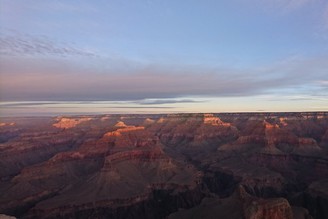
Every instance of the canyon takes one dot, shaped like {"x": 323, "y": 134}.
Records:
{"x": 222, "y": 165}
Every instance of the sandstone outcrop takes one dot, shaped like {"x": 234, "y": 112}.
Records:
{"x": 7, "y": 124}
{"x": 67, "y": 123}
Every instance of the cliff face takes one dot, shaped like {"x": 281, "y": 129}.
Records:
{"x": 269, "y": 209}
{"x": 265, "y": 165}
{"x": 315, "y": 198}
{"x": 239, "y": 205}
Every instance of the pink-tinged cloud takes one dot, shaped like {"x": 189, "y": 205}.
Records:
{"x": 23, "y": 79}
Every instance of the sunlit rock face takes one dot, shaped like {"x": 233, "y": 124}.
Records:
{"x": 7, "y": 124}
{"x": 127, "y": 129}
{"x": 231, "y": 165}
{"x": 120, "y": 124}
{"x": 210, "y": 119}
{"x": 67, "y": 123}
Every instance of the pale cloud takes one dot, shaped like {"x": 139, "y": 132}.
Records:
{"x": 323, "y": 82}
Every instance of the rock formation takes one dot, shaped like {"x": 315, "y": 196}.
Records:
{"x": 231, "y": 165}
{"x": 239, "y": 205}
{"x": 67, "y": 123}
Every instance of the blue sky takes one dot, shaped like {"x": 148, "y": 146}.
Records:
{"x": 180, "y": 56}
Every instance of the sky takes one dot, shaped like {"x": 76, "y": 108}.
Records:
{"x": 162, "y": 56}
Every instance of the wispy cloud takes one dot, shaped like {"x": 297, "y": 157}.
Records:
{"x": 52, "y": 108}
{"x": 48, "y": 6}
{"x": 285, "y": 5}
{"x": 26, "y": 45}
{"x": 26, "y": 104}
{"x": 165, "y": 101}
{"x": 323, "y": 83}
{"x": 294, "y": 4}
{"x": 64, "y": 6}
{"x": 325, "y": 18}
{"x": 95, "y": 104}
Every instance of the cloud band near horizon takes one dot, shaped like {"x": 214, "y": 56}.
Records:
{"x": 25, "y": 80}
